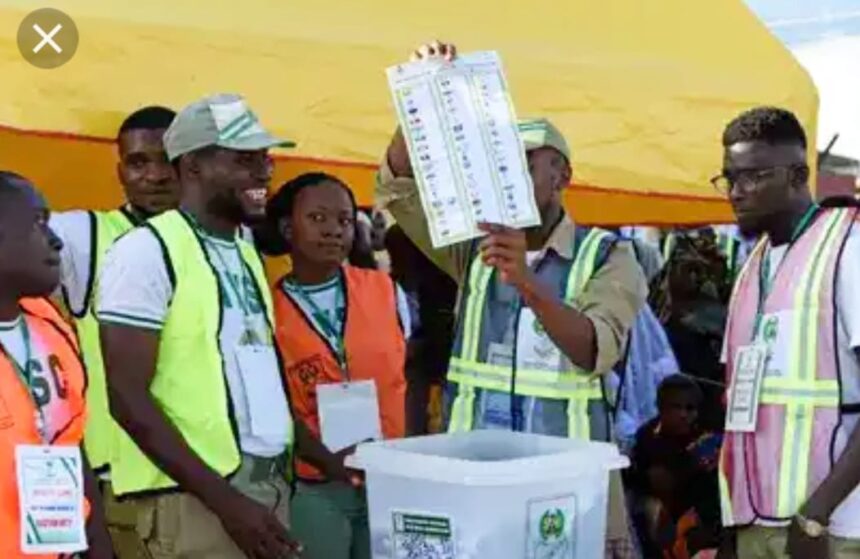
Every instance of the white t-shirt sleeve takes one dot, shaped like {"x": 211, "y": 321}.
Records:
{"x": 847, "y": 292}
{"x": 403, "y": 312}
{"x": 134, "y": 288}
{"x": 75, "y": 229}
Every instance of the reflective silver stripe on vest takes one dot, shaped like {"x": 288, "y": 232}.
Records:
{"x": 470, "y": 374}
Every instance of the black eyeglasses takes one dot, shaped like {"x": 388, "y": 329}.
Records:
{"x": 746, "y": 178}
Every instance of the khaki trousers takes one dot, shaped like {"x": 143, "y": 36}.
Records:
{"x": 761, "y": 542}
{"x": 178, "y": 526}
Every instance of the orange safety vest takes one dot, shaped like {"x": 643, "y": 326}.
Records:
{"x": 375, "y": 350}
{"x": 18, "y": 411}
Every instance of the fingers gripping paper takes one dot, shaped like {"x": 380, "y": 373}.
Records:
{"x": 466, "y": 152}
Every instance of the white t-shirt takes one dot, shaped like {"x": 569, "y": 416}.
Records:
{"x": 45, "y": 389}
{"x": 75, "y": 229}
{"x": 135, "y": 290}
{"x": 328, "y": 299}
{"x": 845, "y": 521}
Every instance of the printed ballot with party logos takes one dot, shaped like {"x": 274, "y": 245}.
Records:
{"x": 467, "y": 156}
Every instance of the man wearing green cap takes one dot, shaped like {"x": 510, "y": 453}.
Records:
{"x": 543, "y": 313}
{"x": 187, "y": 336}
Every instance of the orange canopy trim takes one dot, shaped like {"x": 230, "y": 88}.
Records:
{"x": 588, "y": 204}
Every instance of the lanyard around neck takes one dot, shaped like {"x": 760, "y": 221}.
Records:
{"x": 765, "y": 280}
{"x": 336, "y": 335}
{"x": 236, "y": 285}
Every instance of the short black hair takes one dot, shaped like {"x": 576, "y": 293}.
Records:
{"x": 267, "y": 235}
{"x": 9, "y": 178}
{"x": 675, "y": 384}
{"x": 11, "y": 184}
{"x": 153, "y": 117}
{"x": 772, "y": 125}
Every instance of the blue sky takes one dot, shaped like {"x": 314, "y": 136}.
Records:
{"x": 804, "y": 21}
{"x": 824, "y": 36}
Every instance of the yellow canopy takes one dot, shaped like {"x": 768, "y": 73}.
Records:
{"x": 641, "y": 89}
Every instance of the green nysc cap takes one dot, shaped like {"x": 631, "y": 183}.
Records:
{"x": 540, "y": 132}
{"x": 222, "y": 120}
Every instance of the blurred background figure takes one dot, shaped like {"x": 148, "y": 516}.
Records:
{"x": 432, "y": 295}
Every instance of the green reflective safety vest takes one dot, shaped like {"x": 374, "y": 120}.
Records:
{"x": 557, "y": 397}
{"x": 101, "y": 430}
{"x": 189, "y": 384}
{"x": 668, "y": 247}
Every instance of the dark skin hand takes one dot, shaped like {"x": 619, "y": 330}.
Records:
{"x": 842, "y": 480}
{"x": 98, "y": 538}
{"x": 130, "y": 359}
{"x": 313, "y": 451}
{"x": 505, "y": 249}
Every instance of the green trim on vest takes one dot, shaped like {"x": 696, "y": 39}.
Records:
{"x": 101, "y": 428}
{"x": 189, "y": 384}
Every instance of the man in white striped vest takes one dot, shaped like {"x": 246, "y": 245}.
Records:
{"x": 790, "y": 462}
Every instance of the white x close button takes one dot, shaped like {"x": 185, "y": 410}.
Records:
{"x": 47, "y": 38}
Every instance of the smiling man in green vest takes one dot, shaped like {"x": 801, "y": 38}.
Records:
{"x": 187, "y": 334}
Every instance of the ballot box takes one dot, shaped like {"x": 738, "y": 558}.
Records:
{"x": 487, "y": 494}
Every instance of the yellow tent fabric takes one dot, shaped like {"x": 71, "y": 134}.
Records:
{"x": 641, "y": 89}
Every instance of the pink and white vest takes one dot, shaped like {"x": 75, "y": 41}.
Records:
{"x": 770, "y": 473}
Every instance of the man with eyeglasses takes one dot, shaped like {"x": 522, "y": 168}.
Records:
{"x": 790, "y": 462}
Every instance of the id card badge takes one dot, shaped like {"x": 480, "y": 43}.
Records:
{"x": 745, "y": 391}
{"x": 51, "y": 495}
{"x": 349, "y": 413}
{"x": 264, "y": 390}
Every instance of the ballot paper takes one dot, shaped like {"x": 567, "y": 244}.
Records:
{"x": 466, "y": 151}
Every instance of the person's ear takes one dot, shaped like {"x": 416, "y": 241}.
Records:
{"x": 285, "y": 228}
{"x": 119, "y": 174}
{"x": 565, "y": 176}
{"x": 800, "y": 175}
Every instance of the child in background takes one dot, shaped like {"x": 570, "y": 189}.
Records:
{"x": 674, "y": 476}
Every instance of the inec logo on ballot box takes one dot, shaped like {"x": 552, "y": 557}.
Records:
{"x": 552, "y": 525}
{"x": 47, "y": 38}
{"x": 552, "y": 528}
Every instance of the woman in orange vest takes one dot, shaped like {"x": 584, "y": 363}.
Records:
{"x": 43, "y": 512}
{"x": 341, "y": 332}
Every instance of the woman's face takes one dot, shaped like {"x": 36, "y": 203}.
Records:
{"x": 322, "y": 228}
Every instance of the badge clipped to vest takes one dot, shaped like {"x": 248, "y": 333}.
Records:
{"x": 264, "y": 390}
{"x": 51, "y": 495}
{"x": 745, "y": 391}
{"x": 349, "y": 413}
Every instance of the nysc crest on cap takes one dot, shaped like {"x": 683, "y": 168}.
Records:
{"x": 222, "y": 120}
{"x": 540, "y": 132}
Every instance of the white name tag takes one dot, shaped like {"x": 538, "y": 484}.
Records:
{"x": 51, "y": 494}
{"x": 745, "y": 391}
{"x": 264, "y": 392}
{"x": 349, "y": 413}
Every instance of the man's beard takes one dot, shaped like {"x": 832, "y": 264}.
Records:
{"x": 227, "y": 206}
